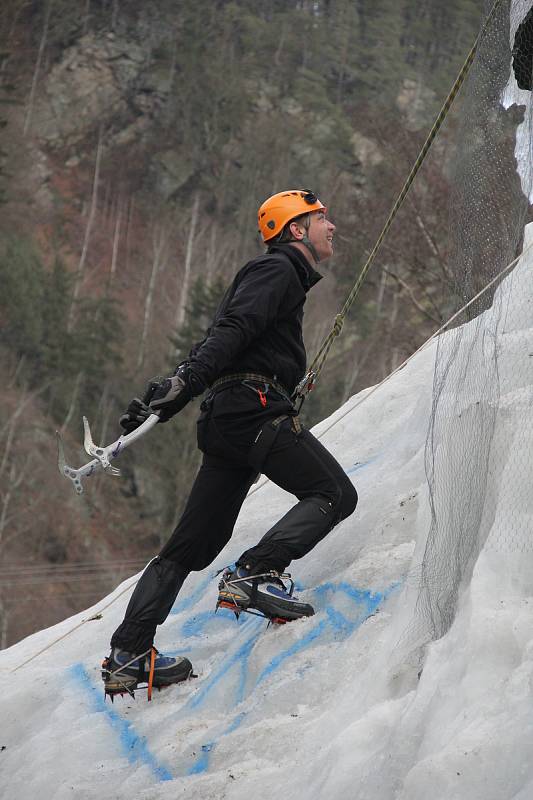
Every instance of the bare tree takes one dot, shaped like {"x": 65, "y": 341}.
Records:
{"x": 73, "y": 401}
{"x": 11, "y": 473}
{"x": 10, "y": 428}
{"x": 159, "y": 246}
{"x": 88, "y": 230}
{"x": 37, "y": 69}
{"x": 86, "y": 16}
{"x": 211, "y": 258}
{"x": 115, "y": 8}
{"x": 186, "y": 279}
{"x": 20, "y": 364}
{"x": 103, "y": 413}
{"x": 412, "y": 296}
{"x": 116, "y": 240}
{"x": 129, "y": 227}
{"x": 12, "y": 483}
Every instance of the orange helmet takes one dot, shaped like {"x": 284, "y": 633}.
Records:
{"x": 284, "y": 206}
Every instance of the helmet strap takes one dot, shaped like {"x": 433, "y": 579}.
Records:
{"x": 310, "y": 247}
{"x": 307, "y": 242}
{"x": 305, "y": 238}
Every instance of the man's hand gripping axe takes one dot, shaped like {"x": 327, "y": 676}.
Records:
{"x": 102, "y": 455}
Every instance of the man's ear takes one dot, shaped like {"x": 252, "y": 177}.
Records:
{"x": 297, "y": 230}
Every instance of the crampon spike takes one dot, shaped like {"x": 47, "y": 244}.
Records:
{"x": 231, "y": 606}
{"x": 112, "y": 693}
{"x": 238, "y": 611}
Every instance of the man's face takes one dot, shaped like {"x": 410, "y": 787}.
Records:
{"x": 320, "y": 233}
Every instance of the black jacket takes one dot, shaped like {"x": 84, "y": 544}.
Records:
{"x": 258, "y": 324}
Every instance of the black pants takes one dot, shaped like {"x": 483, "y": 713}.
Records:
{"x": 296, "y": 462}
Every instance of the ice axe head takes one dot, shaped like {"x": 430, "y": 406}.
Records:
{"x": 64, "y": 468}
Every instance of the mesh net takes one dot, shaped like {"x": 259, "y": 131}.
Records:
{"x": 479, "y": 484}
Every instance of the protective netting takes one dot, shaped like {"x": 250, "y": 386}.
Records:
{"x": 523, "y": 52}
{"x": 478, "y": 450}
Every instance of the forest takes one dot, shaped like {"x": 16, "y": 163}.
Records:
{"x": 137, "y": 141}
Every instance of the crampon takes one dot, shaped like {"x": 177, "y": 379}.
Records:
{"x": 263, "y": 595}
{"x": 125, "y": 677}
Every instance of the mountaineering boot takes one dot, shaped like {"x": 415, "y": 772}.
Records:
{"x": 240, "y": 590}
{"x": 123, "y": 671}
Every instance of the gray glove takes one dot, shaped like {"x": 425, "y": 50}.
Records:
{"x": 171, "y": 395}
{"x": 164, "y": 397}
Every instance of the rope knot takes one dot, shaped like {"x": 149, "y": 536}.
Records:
{"x": 337, "y": 324}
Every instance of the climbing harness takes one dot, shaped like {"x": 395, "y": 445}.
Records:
{"x": 264, "y": 441}
{"x": 267, "y": 434}
{"x": 249, "y": 379}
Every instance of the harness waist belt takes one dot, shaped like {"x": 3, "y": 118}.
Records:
{"x": 239, "y": 377}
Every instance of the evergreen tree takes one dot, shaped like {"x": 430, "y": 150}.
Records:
{"x": 203, "y": 300}
{"x": 34, "y": 309}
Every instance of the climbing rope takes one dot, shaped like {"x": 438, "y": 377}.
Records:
{"x": 309, "y": 381}
{"x": 447, "y": 324}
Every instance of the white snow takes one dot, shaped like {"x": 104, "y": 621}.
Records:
{"x": 331, "y": 706}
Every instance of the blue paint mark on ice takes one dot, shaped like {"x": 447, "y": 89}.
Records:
{"x": 203, "y": 761}
{"x": 133, "y": 745}
{"x": 190, "y": 600}
{"x": 361, "y": 465}
{"x": 241, "y": 654}
{"x": 194, "y": 626}
{"x": 332, "y": 622}
{"x": 301, "y": 644}
{"x": 365, "y": 599}
{"x": 366, "y": 603}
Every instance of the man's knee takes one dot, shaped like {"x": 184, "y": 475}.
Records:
{"x": 347, "y": 500}
{"x": 342, "y": 499}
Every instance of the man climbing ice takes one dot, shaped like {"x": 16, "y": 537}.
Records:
{"x": 250, "y": 361}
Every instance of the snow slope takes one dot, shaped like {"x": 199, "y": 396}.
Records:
{"x": 331, "y": 706}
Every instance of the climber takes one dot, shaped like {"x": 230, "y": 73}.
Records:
{"x": 247, "y": 365}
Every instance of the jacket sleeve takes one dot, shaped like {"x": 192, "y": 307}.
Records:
{"x": 254, "y": 306}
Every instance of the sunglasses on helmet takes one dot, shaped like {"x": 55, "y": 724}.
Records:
{"x": 309, "y": 197}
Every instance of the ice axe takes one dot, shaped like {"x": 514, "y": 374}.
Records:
{"x": 102, "y": 456}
